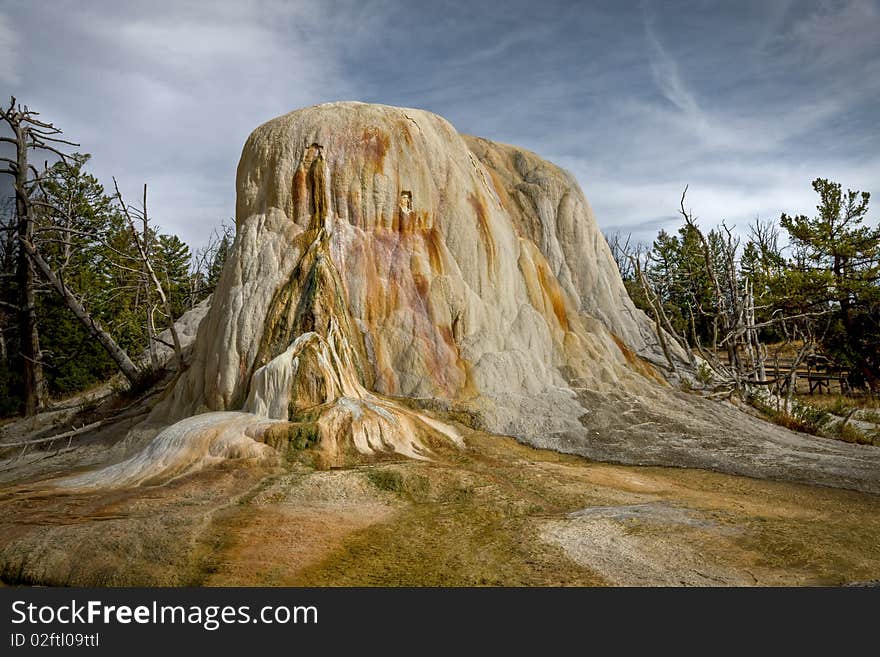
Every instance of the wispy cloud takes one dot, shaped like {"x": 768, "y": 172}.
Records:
{"x": 667, "y": 75}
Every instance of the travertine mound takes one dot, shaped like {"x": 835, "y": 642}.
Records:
{"x": 463, "y": 271}
{"x": 380, "y": 255}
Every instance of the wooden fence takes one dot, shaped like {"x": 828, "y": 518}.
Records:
{"x": 817, "y": 374}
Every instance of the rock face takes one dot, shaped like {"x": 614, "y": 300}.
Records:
{"x": 440, "y": 266}
{"x": 380, "y": 255}
{"x": 386, "y": 268}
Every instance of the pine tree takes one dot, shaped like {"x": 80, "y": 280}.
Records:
{"x": 172, "y": 258}
{"x": 73, "y": 215}
{"x": 836, "y": 266}
{"x": 218, "y": 261}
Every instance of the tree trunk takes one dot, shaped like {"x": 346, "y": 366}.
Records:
{"x": 151, "y": 335}
{"x": 145, "y": 259}
{"x": 29, "y": 338}
{"x": 151, "y": 325}
{"x": 126, "y": 366}
{"x": 756, "y": 350}
{"x": 803, "y": 352}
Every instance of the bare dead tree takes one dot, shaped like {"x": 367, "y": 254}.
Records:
{"x": 148, "y": 295}
{"x": 621, "y": 250}
{"x": 632, "y": 262}
{"x": 59, "y": 226}
{"x": 204, "y": 261}
{"x": 662, "y": 325}
{"x": 731, "y": 312}
{"x": 28, "y": 134}
{"x": 142, "y": 242}
{"x": 119, "y": 356}
{"x": 721, "y": 310}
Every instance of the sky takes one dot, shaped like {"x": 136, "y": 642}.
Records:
{"x": 746, "y": 102}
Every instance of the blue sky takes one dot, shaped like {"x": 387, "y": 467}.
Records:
{"x": 746, "y": 102}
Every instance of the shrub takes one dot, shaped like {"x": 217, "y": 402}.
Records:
{"x": 802, "y": 417}
{"x": 850, "y": 433}
{"x": 840, "y": 406}
{"x": 761, "y": 402}
{"x": 810, "y": 415}
{"x": 704, "y": 374}
{"x": 790, "y": 421}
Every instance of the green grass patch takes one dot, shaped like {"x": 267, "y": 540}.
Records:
{"x": 413, "y": 486}
{"x": 850, "y": 433}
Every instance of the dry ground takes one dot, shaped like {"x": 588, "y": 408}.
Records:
{"x": 498, "y": 513}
